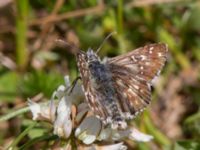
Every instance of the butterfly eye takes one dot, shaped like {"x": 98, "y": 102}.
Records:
{"x": 93, "y": 64}
{"x": 90, "y": 65}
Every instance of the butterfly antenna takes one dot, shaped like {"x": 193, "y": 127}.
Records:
{"x": 66, "y": 44}
{"x": 107, "y": 37}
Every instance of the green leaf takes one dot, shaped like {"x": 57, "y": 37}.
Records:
{"x": 192, "y": 124}
{"x": 36, "y": 132}
{"x": 187, "y": 145}
{"x": 194, "y": 21}
{"x": 40, "y": 82}
{"x": 8, "y": 86}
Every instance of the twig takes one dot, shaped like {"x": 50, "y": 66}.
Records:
{"x": 142, "y": 3}
{"x": 39, "y": 43}
{"x": 77, "y": 13}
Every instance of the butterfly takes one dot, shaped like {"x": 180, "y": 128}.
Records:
{"x": 118, "y": 88}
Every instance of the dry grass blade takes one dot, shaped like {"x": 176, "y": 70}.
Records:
{"x": 142, "y": 3}
{"x": 77, "y": 13}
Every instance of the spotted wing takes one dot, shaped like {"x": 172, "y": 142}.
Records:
{"x": 132, "y": 74}
{"x": 92, "y": 96}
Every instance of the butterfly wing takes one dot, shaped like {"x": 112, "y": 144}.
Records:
{"x": 92, "y": 96}
{"x": 132, "y": 74}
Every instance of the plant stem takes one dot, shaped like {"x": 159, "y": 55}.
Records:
{"x": 13, "y": 114}
{"x": 161, "y": 138}
{"x": 120, "y": 17}
{"x": 16, "y": 141}
{"x": 21, "y": 33}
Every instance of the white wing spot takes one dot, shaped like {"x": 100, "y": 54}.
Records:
{"x": 147, "y": 63}
{"x": 141, "y": 67}
{"x": 82, "y": 64}
{"x": 143, "y": 57}
{"x": 131, "y": 91}
{"x": 151, "y": 48}
{"x": 133, "y": 58}
{"x": 124, "y": 94}
{"x": 159, "y": 54}
{"x": 119, "y": 82}
{"x": 136, "y": 87}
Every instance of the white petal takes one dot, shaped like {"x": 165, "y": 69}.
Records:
{"x": 67, "y": 81}
{"x": 35, "y": 109}
{"x": 63, "y": 130}
{"x": 89, "y": 139}
{"x": 67, "y": 128}
{"x": 60, "y": 92}
{"x": 64, "y": 106}
{"x": 139, "y": 136}
{"x": 43, "y": 111}
{"x": 81, "y": 111}
{"x": 81, "y": 115}
{"x": 119, "y": 134}
{"x": 88, "y": 130}
{"x": 118, "y": 146}
{"x": 77, "y": 94}
{"x": 52, "y": 110}
{"x": 105, "y": 134}
{"x": 63, "y": 123}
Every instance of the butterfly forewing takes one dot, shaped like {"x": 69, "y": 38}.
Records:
{"x": 132, "y": 74}
{"x": 145, "y": 62}
{"x": 92, "y": 96}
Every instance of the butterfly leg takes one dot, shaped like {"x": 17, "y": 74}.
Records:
{"x": 70, "y": 89}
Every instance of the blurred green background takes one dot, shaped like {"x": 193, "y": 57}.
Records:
{"x": 32, "y": 64}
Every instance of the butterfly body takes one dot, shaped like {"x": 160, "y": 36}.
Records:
{"x": 120, "y": 88}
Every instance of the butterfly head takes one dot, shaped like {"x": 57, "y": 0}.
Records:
{"x": 91, "y": 56}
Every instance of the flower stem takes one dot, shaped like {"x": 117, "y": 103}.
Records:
{"x": 13, "y": 114}
{"x": 120, "y": 16}
{"x": 21, "y": 33}
{"x": 161, "y": 138}
{"x": 18, "y": 139}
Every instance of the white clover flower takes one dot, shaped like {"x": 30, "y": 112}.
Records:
{"x": 87, "y": 127}
{"x": 43, "y": 111}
